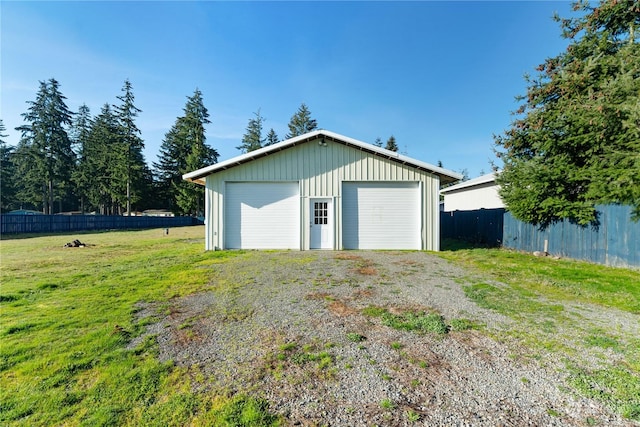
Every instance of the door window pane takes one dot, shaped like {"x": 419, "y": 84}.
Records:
{"x": 320, "y": 212}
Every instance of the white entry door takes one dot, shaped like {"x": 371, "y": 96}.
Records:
{"x": 321, "y": 216}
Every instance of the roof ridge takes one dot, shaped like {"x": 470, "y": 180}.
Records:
{"x": 197, "y": 175}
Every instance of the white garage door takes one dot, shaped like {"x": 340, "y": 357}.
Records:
{"x": 262, "y": 215}
{"x": 381, "y": 215}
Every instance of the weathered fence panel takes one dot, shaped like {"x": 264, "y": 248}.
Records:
{"x": 615, "y": 241}
{"x": 19, "y": 224}
{"x": 482, "y": 226}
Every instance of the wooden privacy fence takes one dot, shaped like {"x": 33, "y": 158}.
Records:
{"x": 615, "y": 241}
{"x": 483, "y": 226}
{"x": 18, "y": 224}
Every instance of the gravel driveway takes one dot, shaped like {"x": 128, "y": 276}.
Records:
{"x": 293, "y": 328}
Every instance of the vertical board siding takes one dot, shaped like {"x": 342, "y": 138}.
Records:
{"x": 213, "y": 223}
{"x": 321, "y": 171}
{"x": 433, "y": 212}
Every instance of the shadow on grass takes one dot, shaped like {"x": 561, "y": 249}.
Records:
{"x": 63, "y": 233}
{"x": 459, "y": 245}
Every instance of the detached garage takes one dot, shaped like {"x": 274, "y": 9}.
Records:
{"x": 322, "y": 190}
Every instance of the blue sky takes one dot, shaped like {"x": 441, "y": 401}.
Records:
{"x": 440, "y": 76}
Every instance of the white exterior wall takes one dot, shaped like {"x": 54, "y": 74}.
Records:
{"x": 471, "y": 198}
{"x": 320, "y": 171}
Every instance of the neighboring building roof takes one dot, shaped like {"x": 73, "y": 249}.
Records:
{"x": 481, "y": 180}
{"x": 24, "y": 212}
{"x": 133, "y": 213}
{"x": 199, "y": 175}
{"x": 70, "y": 213}
{"x": 157, "y": 212}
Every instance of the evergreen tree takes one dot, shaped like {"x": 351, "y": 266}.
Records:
{"x": 190, "y": 196}
{"x": 80, "y": 128}
{"x": 378, "y": 142}
{"x": 391, "y": 144}
{"x": 150, "y": 195}
{"x": 183, "y": 150}
{"x": 272, "y": 137}
{"x": 79, "y": 134}
{"x": 301, "y": 122}
{"x": 166, "y": 169}
{"x": 252, "y": 139}
{"x": 101, "y": 164}
{"x": 45, "y": 155}
{"x": 576, "y": 139}
{"x": 130, "y": 148}
{"x": 7, "y": 174}
{"x": 32, "y": 191}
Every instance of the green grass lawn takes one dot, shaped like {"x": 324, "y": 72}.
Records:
{"x": 67, "y": 314}
{"x": 539, "y": 293}
{"x": 563, "y": 279}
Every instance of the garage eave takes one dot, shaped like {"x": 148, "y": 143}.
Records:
{"x": 198, "y": 176}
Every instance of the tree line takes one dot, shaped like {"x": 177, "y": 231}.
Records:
{"x": 73, "y": 161}
{"x": 300, "y": 123}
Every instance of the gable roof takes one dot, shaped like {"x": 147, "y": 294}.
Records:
{"x": 198, "y": 176}
{"x": 483, "y": 179}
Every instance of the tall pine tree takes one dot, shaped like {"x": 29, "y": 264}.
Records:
{"x": 166, "y": 169}
{"x": 7, "y": 174}
{"x": 101, "y": 164}
{"x": 301, "y": 122}
{"x": 252, "y": 139}
{"x": 45, "y": 157}
{"x": 575, "y": 141}
{"x": 272, "y": 138}
{"x": 391, "y": 144}
{"x": 79, "y": 134}
{"x": 184, "y": 149}
{"x": 130, "y": 148}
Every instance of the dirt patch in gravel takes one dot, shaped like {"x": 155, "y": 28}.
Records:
{"x": 296, "y": 329}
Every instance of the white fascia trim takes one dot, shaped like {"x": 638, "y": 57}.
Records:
{"x": 198, "y": 176}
